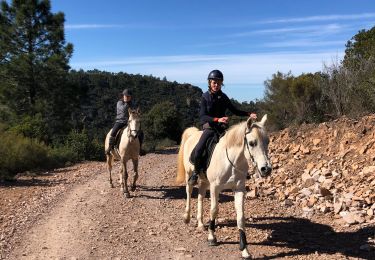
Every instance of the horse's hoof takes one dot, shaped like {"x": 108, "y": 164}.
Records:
{"x": 201, "y": 228}
{"x": 213, "y": 242}
{"x": 186, "y": 218}
{"x": 126, "y": 195}
{"x": 133, "y": 188}
{"x": 247, "y": 257}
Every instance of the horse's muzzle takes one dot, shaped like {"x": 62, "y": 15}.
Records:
{"x": 265, "y": 171}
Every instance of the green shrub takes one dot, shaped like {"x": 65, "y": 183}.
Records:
{"x": 78, "y": 144}
{"x": 19, "y": 154}
{"x": 95, "y": 150}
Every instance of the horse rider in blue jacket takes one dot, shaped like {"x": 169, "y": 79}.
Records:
{"x": 213, "y": 106}
{"x": 122, "y": 117}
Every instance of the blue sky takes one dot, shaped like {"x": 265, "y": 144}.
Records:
{"x": 184, "y": 40}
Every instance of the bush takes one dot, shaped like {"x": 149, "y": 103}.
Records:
{"x": 19, "y": 154}
{"x": 78, "y": 144}
{"x": 96, "y": 150}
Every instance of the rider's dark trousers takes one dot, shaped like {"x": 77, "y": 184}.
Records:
{"x": 117, "y": 127}
{"x": 207, "y": 133}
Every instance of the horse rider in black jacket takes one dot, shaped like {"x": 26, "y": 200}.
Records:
{"x": 214, "y": 104}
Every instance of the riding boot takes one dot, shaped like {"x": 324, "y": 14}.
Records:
{"x": 112, "y": 141}
{"x": 193, "y": 180}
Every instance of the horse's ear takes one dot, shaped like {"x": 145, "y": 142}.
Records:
{"x": 251, "y": 122}
{"x": 138, "y": 110}
{"x": 264, "y": 119}
{"x": 129, "y": 110}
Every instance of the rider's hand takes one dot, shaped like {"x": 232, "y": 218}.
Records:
{"x": 253, "y": 116}
{"x": 223, "y": 120}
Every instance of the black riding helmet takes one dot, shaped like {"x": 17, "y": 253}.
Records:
{"x": 216, "y": 74}
{"x": 127, "y": 92}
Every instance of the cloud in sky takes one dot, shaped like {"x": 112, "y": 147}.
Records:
{"x": 319, "y": 18}
{"x": 237, "y": 68}
{"x": 305, "y": 30}
{"x": 92, "y": 26}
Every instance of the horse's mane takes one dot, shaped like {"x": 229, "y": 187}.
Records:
{"x": 235, "y": 133}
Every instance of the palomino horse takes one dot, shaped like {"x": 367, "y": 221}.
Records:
{"x": 243, "y": 143}
{"x": 128, "y": 150}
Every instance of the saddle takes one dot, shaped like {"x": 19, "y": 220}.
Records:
{"x": 118, "y": 137}
{"x": 207, "y": 152}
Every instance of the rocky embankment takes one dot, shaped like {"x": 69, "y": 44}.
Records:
{"x": 327, "y": 168}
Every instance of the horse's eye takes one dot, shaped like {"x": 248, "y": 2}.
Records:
{"x": 252, "y": 143}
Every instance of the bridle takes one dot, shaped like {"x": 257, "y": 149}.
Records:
{"x": 130, "y": 131}
{"x": 248, "y": 150}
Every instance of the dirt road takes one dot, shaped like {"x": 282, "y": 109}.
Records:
{"x": 74, "y": 214}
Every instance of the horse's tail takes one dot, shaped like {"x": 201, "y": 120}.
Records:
{"x": 180, "y": 159}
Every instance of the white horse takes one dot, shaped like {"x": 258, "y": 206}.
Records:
{"x": 243, "y": 143}
{"x": 128, "y": 150}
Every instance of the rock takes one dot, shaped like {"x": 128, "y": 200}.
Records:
{"x": 327, "y": 183}
{"x": 368, "y": 169}
{"x": 325, "y": 192}
{"x": 305, "y": 176}
{"x": 337, "y": 206}
{"x": 295, "y": 149}
{"x": 309, "y": 166}
{"x": 348, "y": 217}
{"x": 316, "y": 141}
{"x": 252, "y": 194}
{"x": 305, "y": 192}
{"x": 288, "y": 203}
{"x": 312, "y": 201}
{"x": 309, "y": 182}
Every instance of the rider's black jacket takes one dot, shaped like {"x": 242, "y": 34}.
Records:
{"x": 214, "y": 105}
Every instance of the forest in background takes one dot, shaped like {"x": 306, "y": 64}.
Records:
{"x": 51, "y": 116}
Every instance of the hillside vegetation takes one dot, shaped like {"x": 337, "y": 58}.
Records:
{"x": 63, "y": 114}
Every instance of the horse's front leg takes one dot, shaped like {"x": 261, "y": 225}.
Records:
{"x": 214, "y": 192}
{"x": 109, "y": 168}
{"x": 135, "y": 168}
{"x": 124, "y": 180}
{"x": 239, "y": 205}
{"x": 189, "y": 190}
{"x": 203, "y": 185}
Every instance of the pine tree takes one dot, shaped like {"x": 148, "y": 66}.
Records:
{"x": 33, "y": 58}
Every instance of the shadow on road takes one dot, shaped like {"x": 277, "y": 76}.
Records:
{"x": 33, "y": 182}
{"x": 307, "y": 237}
{"x": 179, "y": 192}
